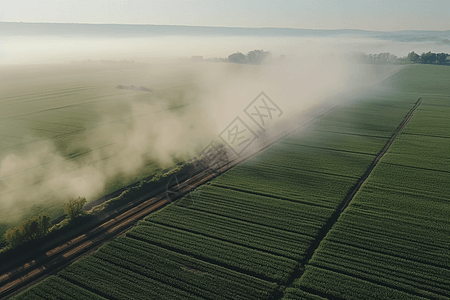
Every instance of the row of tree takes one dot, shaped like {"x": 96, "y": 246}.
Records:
{"x": 381, "y": 58}
{"x": 412, "y": 57}
{"x": 38, "y": 227}
{"x": 428, "y": 58}
{"x": 254, "y": 57}
{"x": 30, "y": 229}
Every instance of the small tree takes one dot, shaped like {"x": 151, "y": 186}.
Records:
{"x": 441, "y": 57}
{"x": 414, "y": 57}
{"x": 44, "y": 225}
{"x": 74, "y": 207}
{"x": 238, "y": 58}
{"x": 30, "y": 229}
{"x": 14, "y": 236}
{"x": 428, "y": 58}
{"x": 257, "y": 56}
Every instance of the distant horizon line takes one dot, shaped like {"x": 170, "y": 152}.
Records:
{"x": 230, "y": 27}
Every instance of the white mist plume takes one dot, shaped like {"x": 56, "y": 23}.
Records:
{"x": 40, "y": 173}
{"x": 161, "y": 135}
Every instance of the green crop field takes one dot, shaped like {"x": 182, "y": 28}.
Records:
{"x": 392, "y": 242}
{"x": 58, "y": 119}
{"x": 250, "y": 233}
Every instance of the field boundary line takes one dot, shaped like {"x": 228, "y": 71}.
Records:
{"x": 356, "y": 134}
{"x": 308, "y": 171}
{"x": 351, "y": 194}
{"x": 269, "y": 196}
{"x": 329, "y": 149}
{"x": 358, "y": 185}
{"x": 428, "y": 135}
{"x": 229, "y": 218}
{"x": 254, "y": 223}
{"x": 87, "y": 288}
{"x": 415, "y": 167}
{"x": 226, "y": 240}
{"x": 209, "y": 260}
{"x": 420, "y": 193}
{"x": 13, "y": 288}
{"x": 380, "y": 283}
{"x": 435, "y": 265}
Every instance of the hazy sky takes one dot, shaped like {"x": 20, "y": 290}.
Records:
{"x": 385, "y": 15}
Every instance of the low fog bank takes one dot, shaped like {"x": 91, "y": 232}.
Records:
{"x": 157, "y": 132}
{"x": 51, "y": 49}
{"x": 41, "y": 173}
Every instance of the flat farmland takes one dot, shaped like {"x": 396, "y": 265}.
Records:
{"x": 255, "y": 231}
{"x": 56, "y": 125}
{"x": 66, "y": 126}
{"x": 63, "y": 107}
{"x": 392, "y": 242}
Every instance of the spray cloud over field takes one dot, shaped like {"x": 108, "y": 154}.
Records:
{"x": 162, "y": 129}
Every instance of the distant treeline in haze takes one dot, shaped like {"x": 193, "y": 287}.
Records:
{"x": 257, "y": 57}
{"x": 412, "y": 57}
{"x": 254, "y": 57}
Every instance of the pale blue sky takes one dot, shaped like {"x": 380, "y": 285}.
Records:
{"x": 384, "y": 15}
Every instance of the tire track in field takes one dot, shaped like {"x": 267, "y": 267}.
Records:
{"x": 356, "y": 188}
{"x": 334, "y": 218}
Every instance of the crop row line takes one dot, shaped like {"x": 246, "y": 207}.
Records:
{"x": 333, "y": 219}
